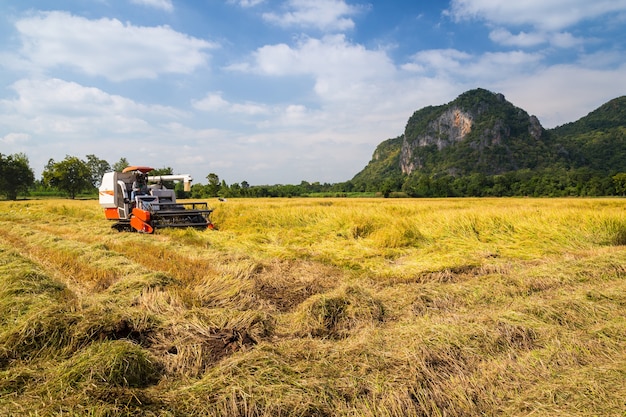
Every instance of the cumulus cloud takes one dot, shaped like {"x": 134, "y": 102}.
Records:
{"x": 522, "y": 39}
{"x": 54, "y": 105}
{"x": 246, "y": 3}
{"x": 461, "y": 68}
{"x": 213, "y": 102}
{"x": 158, "y": 4}
{"x": 49, "y": 118}
{"x": 327, "y": 15}
{"x": 551, "y": 15}
{"x": 14, "y": 138}
{"x": 546, "y": 19}
{"x": 340, "y": 69}
{"x": 565, "y": 40}
{"x": 602, "y": 60}
{"x": 107, "y": 47}
{"x": 530, "y": 39}
{"x": 563, "y": 93}
{"x": 436, "y": 61}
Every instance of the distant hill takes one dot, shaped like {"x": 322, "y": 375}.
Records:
{"x": 481, "y": 144}
{"x": 598, "y": 140}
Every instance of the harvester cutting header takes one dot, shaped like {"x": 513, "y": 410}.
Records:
{"x": 142, "y": 203}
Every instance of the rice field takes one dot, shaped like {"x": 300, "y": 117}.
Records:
{"x": 317, "y": 307}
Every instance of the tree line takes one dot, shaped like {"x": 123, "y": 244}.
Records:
{"x": 548, "y": 182}
{"x": 74, "y": 176}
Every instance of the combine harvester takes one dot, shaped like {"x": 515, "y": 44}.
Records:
{"x": 141, "y": 203}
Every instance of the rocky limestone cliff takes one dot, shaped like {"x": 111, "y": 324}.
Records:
{"x": 451, "y": 127}
{"x": 483, "y": 119}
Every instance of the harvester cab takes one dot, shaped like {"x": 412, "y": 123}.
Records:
{"x": 142, "y": 203}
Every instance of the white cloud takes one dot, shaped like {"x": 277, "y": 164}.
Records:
{"x": 62, "y": 117}
{"x": 565, "y": 40}
{"x": 553, "y": 15}
{"x": 213, "y": 102}
{"x": 462, "y": 69}
{"x": 502, "y": 65}
{"x": 522, "y": 39}
{"x": 437, "y": 60}
{"x": 530, "y": 39}
{"x": 327, "y": 15}
{"x": 602, "y": 60}
{"x": 158, "y": 4}
{"x": 250, "y": 108}
{"x": 246, "y": 3}
{"x": 556, "y": 94}
{"x": 563, "y": 93}
{"x": 14, "y": 138}
{"x": 58, "y": 98}
{"x": 341, "y": 70}
{"x": 55, "y": 118}
{"x": 107, "y": 47}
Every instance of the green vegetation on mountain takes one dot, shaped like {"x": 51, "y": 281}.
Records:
{"x": 605, "y": 117}
{"x": 482, "y": 145}
{"x": 598, "y": 140}
{"x": 383, "y": 167}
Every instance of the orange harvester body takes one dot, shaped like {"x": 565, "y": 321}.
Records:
{"x": 141, "y": 203}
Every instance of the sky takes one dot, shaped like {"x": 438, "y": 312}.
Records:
{"x": 284, "y": 91}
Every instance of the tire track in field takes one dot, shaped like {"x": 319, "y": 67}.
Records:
{"x": 152, "y": 255}
{"x": 83, "y": 268}
{"x": 155, "y": 253}
{"x": 207, "y": 278}
{"x": 211, "y": 278}
{"x": 180, "y": 341}
{"x": 91, "y": 262}
{"x": 41, "y": 258}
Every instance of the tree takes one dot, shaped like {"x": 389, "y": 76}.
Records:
{"x": 214, "y": 185}
{"x": 71, "y": 175}
{"x": 245, "y": 188}
{"x": 162, "y": 171}
{"x": 165, "y": 171}
{"x": 234, "y": 190}
{"x": 120, "y": 165}
{"x": 620, "y": 183}
{"x": 223, "y": 191}
{"x": 197, "y": 191}
{"x": 16, "y": 176}
{"x": 387, "y": 187}
{"x": 98, "y": 168}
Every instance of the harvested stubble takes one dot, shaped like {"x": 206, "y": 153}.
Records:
{"x": 305, "y": 307}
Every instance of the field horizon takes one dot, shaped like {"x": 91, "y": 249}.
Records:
{"x": 317, "y": 307}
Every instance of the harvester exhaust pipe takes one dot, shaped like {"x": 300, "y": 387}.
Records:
{"x": 185, "y": 178}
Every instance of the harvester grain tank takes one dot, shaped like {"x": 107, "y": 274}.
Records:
{"x": 141, "y": 203}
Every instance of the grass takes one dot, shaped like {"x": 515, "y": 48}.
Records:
{"x": 307, "y": 307}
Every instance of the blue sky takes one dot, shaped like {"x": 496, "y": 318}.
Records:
{"x": 284, "y": 91}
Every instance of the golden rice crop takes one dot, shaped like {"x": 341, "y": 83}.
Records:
{"x": 303, "y": 307}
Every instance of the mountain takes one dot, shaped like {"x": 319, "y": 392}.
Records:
{"x": 598, "y": 140}
{"x": 482, "y": 135}
{"x": 608, "y": 116}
